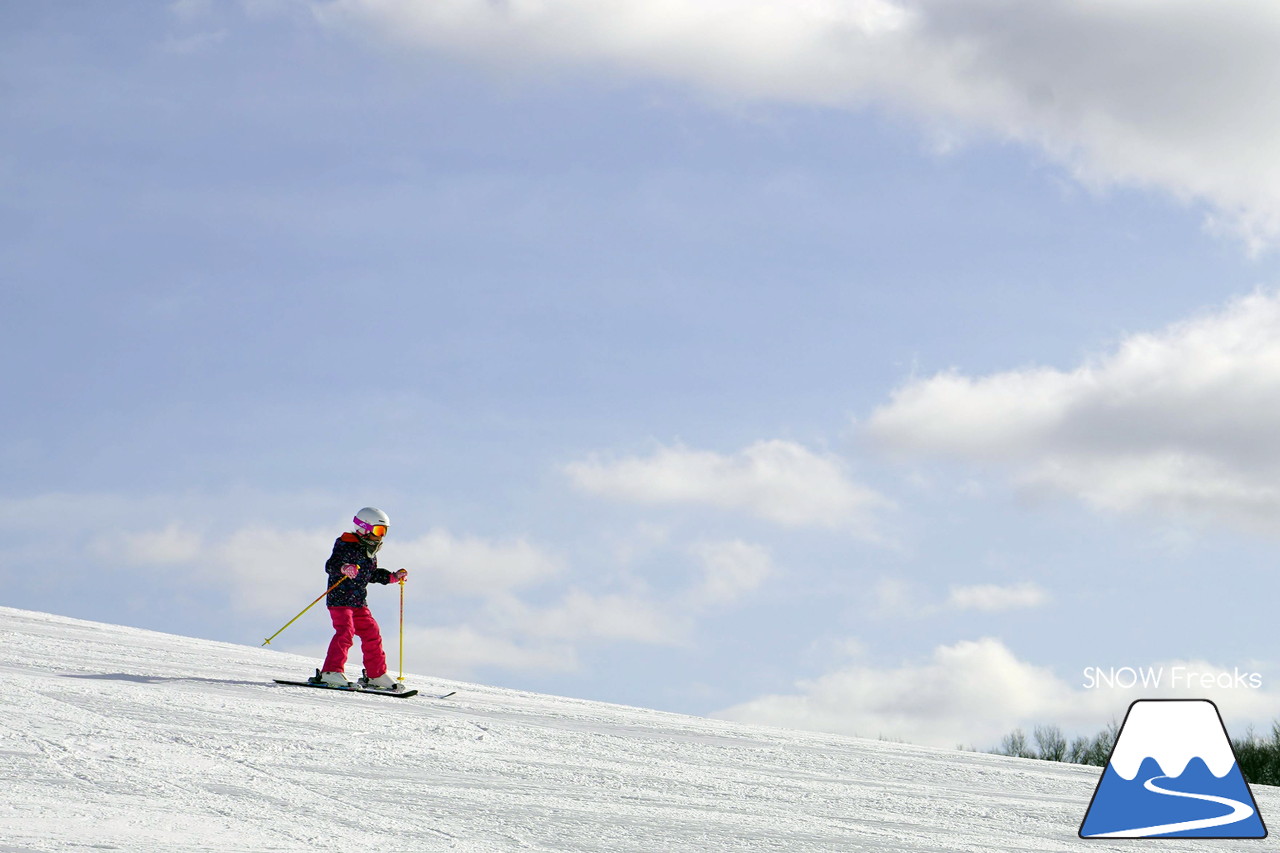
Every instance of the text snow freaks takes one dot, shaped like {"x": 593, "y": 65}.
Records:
{"x": 1173, "y": 677}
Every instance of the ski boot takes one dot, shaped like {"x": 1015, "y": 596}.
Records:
{"x": 331, "y": 679}
{"x": 383, "y": 682}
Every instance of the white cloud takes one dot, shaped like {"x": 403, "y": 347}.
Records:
{"x": 1174, "y": 95}
{"x": 779, "y": 481}
{"x": 172, "y": 544}
{"x": 486, "y": 603}
{"x": 994, "y": 597}
{"x": 731, "y": 570}
{"x": 473, "y": 602}
{"x": 815, "y": 51}
{"x": 899, "y": 598}
{"x": 472, "y": 566}
{"x": 894, "y": 597}
{"x": 268, "y": 571}
{"x": 970, "y": 693}
{"x": 1181, "y": 421}
{"x": 975, "y": 692}
{"x": 457, "y": 652}
{"x": 581, "y": 616}
{"x": 277, "y": 572}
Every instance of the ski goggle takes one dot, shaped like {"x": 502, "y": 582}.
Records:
{"x": 375, "y": 530}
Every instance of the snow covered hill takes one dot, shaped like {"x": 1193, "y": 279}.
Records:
{"x": 116, "y": 738}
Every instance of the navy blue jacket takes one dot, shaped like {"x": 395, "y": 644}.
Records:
{"x": 347, "y": 549}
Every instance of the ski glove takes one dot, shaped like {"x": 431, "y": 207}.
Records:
{"x": 399, "y": 576}
{"x": 351, "y": 570}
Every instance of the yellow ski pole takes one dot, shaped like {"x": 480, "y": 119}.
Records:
{"x": 304, "y": 610}
{"x": 401, "y": 678}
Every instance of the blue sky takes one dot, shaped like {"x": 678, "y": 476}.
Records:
{"x": 862, "y": 365}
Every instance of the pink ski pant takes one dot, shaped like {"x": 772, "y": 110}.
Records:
{"x": 349, "y": 623}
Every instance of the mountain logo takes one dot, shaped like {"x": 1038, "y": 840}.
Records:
{"x": 1172, "y": 774}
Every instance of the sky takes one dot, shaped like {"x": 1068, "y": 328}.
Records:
{"x": 883, "y": 367}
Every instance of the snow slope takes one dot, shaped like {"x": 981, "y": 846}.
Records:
{"x": 115, "y": 738}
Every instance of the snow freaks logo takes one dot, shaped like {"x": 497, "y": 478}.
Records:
{"x": 1172, "y": 774}
{"x": 1155, "y": 677}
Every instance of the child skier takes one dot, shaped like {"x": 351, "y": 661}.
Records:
{"x": 355, "y": 562}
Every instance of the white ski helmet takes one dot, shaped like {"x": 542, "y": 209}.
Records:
{"x": 367, "y": 522}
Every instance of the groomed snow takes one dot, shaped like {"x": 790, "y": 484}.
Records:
{"x": 121, "y": 739}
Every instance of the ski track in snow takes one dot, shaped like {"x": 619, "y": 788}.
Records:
{"x": 115, "y": 738}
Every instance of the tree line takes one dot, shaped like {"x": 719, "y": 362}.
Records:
{"x": 1257, "y": 755}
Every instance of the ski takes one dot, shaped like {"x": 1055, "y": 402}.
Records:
{"x": 354, "y": 688}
